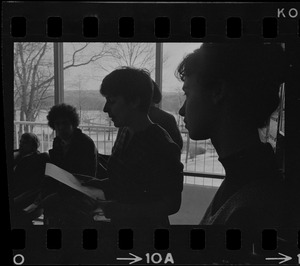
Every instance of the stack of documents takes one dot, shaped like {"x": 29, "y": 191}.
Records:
{"x": 73, "y": 182}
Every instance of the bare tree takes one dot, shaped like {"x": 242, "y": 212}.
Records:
{"x": 29, "y": 70}
{"x": 141, "y": 55}
{"x": 34, "y": 75}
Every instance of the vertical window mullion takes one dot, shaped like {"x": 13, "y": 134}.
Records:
{"x": 58, "y": 73}
{"x": 158, "y": 67}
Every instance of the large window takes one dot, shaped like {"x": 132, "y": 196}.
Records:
{"x": 33, "y": 89}
{"x": 86, "y": 64}
{"x": 84, "y": 67}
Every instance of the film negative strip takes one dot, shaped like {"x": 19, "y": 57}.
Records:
{"x": 43, "y": 42}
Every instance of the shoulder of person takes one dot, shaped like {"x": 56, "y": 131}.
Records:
{"x": 260, "y": 191}
{"x": 80, "y": 136}
{"x": 31, "y": 159}
{"x": 44, "y": 157}
{"x": 161, "y": 139}
{"x": 160, "y": 114}
{"x": 32, "y": 156}
{"x": 158, "y": 133}
{"x": 262, "y": 200}
{"x": 57, "y": 143}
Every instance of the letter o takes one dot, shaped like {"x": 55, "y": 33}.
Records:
{"x": 154, "y": 260}
{"x": 18, "y": 256}
{"x": 295, "y": 13}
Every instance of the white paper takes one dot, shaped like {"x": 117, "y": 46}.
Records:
{"x": 71, "y": 181}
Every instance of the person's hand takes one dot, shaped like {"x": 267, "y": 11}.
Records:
{"x": 31, "y": 208}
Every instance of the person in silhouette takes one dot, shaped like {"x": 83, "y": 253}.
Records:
{"x": 231, "y": 92}
{"x": 29, "y": 169}
{"x": 144, "y": 171}
{"x": 76, "y": 153}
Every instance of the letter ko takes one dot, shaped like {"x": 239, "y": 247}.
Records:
{"x": 292, "y": 13}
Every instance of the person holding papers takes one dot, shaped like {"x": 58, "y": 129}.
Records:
{"x": 145, "y": 177}
{"x": 76, "y": 153}
{"x": 72, "y": 150}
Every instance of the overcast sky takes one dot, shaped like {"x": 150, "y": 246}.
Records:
{"x": 90, "y": 76}
{"x": 175, "y": 52}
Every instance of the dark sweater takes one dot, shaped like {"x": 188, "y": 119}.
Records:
{"x": 144, "y": 171}
{"x": 253, "y": 192}
{"x": 62, "y": 203}
{"x": 28, "y": 172}
{"x": 167, "y": 122}
{"x": 81, "y": 156}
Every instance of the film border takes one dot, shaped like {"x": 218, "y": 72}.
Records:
{"x": 144, "y": 14}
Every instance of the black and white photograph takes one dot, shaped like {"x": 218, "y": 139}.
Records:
{"x": 127, "y": 143}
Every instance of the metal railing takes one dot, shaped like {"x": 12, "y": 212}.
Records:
{"x": 201, "y": 165}
{"x": 103, "y": 136}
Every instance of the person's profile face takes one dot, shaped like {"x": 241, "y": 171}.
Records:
{"x": 197, "y": 110}
{"x": 118, "y": 110}
{"x": 64, "y": 128}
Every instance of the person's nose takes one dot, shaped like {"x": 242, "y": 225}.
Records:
{"x": 182, "y": 110}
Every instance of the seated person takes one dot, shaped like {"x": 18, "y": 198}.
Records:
{"x": 29, "y": 168}
{"x": 145, "y": 177}
{"x": 76, "y": 153}
{"x": 163, "y": 118}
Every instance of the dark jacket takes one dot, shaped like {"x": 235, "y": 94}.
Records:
{"x": 167, "y": 122}
{"x": 144, "y": 171}
{"x": 81, "y": 157}
{"x": 253, "y": 197}
{"x": 26, "y": 186}
{"x": 62, "y": 204}
{"x": 28, "y": 172}
{"x": 253, "y": 194}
